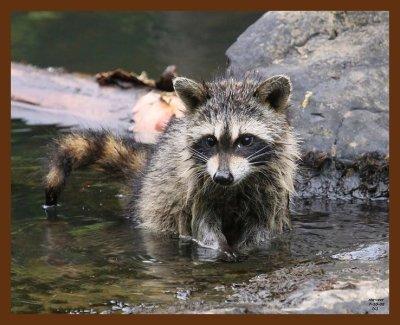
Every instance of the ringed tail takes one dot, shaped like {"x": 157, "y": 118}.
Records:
{"x": 101, "y": 149}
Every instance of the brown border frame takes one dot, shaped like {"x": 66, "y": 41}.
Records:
{"x": 5, "y": 164}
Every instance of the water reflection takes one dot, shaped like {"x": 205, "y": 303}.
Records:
{"x": 148, "y": 40}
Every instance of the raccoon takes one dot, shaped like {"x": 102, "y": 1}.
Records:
{"x": 221, "y": 175}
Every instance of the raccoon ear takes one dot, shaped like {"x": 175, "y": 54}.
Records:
{"x": 192, "y": 93}
{"x": 275, "y": 91}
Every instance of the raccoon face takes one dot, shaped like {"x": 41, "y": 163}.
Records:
{"x": 235, "y": 128}
{"x": 228, "y": 162}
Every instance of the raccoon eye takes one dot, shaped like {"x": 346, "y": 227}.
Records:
{"x": 246, "y": 140}
{"x": 211, "y": 141}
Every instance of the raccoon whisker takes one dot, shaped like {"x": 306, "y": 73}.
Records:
{"x": 255, "y": 153}
{"x": 189, "y": 168}
{"x": 193, "y": 167}
{"x": 194, "y": 155}
{"x": 204, "y": 161}
{"x": 203, "y": 186}
{"x": 252, "y": 163}
{"x": 194, "y": 151}
{"x": 197, "y": 152}
{"x": 258, "y": 151}
{"x": 200, "y": 158}
{"x": 271, "y": 155}
{"x": 259, "y": 156}
{"x": 200, "y": 173}
{"x": 267, "y": 154}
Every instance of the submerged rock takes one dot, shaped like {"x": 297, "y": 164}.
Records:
{"x": 369, "y": 253}
{"x": 339, "y": 64}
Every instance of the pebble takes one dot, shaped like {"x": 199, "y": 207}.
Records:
{"x": 183, "y": 294}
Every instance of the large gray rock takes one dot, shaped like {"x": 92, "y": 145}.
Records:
{"x": 339, "y": 61}
{"x": 342, "y": 58}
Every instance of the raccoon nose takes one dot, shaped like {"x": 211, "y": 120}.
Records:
{"x": 223, "y": 177}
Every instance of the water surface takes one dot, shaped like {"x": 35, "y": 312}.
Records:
{"x": 93, "y": 258}
{"x": 144, "y": 40}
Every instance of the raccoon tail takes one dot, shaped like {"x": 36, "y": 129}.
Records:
{"x": 118, "y": 156}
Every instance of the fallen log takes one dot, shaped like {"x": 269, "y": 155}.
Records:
{"x": 49, "y": 96}
{"x": 126, "y": 80}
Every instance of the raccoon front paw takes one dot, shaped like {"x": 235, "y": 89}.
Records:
{"x": 229, "y": 254}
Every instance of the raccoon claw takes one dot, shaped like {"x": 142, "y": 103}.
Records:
{"x": 51, "y": 211}
{"x": 230, "y": 257}
{"x": 229, "y": 254}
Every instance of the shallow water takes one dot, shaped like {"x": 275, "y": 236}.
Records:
{"x": 92, "y": 258}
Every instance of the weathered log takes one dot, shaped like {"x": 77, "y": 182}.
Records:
{"x": 42, "y": 96}
{"x": 126, "y": 80}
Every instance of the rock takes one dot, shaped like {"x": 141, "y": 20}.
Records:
{"x": 219, "y": 288}
{"x": 322, "y": 176}
{"x": 369, "y": 253}
{"x": 338, "y": 64}
{"x": 226, "y": 310}
{"x": 183, "y": 294}
{"x": 344, "y": 287}
{"x": 128, "y": 310}
{"x": 105, "y": 312}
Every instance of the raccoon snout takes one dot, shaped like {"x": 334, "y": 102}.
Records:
{"x": 223, "y": 177}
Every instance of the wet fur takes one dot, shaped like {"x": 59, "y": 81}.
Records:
{"x": 171, "y": 192}
{"x": 102, "y": 150}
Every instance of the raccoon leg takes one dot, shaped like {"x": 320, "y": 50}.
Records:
{"x": 262, "y": 230}
{"x": 280, "y": 215}
{"x": 100, "y": 148}
{"x": 184, "y": 224}
{"x": 253, "y": 236}
{"x": 206, "y": 229}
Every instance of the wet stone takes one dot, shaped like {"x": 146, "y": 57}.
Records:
{"x": 183, "y": 294}
{"x": 369, "y": 253}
